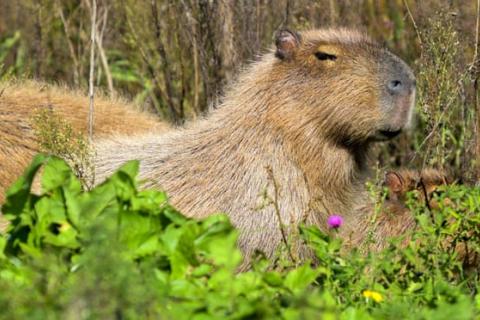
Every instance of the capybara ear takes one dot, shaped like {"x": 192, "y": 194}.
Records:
{"x": 287, "y": 43}
{"x": 394, "y": 182}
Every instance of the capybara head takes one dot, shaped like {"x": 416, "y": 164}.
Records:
{"x": 424, "y": 183}
{"x": 344, "y": 83}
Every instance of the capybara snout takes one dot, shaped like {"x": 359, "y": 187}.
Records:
{"x": 397, "y": 95}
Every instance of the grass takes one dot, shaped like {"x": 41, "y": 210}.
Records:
{"x": 116, "y": 252}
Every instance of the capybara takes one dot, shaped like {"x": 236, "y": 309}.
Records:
{"x": 289, "y": 142}
{"x": 20, "y": 100}
{"x": 394, "y": 218}
{"x": 424, "y": 182}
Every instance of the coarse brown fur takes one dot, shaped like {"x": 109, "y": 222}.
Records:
{"x": 288, "y": 144}
{"x": 19, "y": 101}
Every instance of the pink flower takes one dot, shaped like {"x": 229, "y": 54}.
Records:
{"x": 334, "y": 221}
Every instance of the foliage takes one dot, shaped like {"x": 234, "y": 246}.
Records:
{"x": 117, "y": 252}
{"x": 56, "y": 136}
{"x": 443, "y": 113}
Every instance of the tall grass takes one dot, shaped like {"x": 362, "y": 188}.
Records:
{"x": 175, "y": 57}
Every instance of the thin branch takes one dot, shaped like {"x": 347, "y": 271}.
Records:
{"x": 286, "y": 21}
{"x": 193, "y": 35}
{"x": 475, "y": 60}
{"x": 92, "y": 69}
{"x": 150, "y": 67}
{"x": 425, "y": 194}
{"x": 165, "y": 63}
{"x": 71, "y": 48}
{"x": 417, "y": 31}
{"x": 333, "y": 12}
{"x": 103, "y": 56}
{"x": 276, "y": 207}
{"x": 475, "y": 71}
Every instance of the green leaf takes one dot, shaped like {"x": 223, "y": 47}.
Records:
{"x": 149, "y": 201}
{"x": 57, "y": 173}
{"x": 3, "y": 244}
{"x": 18, "y": 195}
{"x": 414, "y": 286}
{"x": 66, "y": 237}
{"x": 300, "y": 278}
{"x": 273, "y": 279}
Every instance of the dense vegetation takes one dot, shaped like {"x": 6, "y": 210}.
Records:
{"x": 117, "y": 252}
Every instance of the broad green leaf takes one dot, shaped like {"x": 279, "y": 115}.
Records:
{"x": 273, "y": 279}
{"x": 300, "y": 278}
{"x": 18, "y": 195}
{"x": 57, "y": 173}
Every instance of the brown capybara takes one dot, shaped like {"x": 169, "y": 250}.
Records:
{"x": 288, "y": 144}
{"x": 19, "y": 101}
{"x": 424, "y": 182}
{"x": 394, "y": 218}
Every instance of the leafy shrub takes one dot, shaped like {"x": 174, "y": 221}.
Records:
{"x": 56, "y": 136}
{"x": 117, "y": 252}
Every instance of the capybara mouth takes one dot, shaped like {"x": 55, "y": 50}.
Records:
{"x": 387, "y": 134}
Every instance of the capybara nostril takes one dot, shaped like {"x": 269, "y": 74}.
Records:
{"x": 395, "y": 86}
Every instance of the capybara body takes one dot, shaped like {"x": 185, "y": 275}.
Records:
{"x": 288, "y": 144}
{"x": 19, "y": 101}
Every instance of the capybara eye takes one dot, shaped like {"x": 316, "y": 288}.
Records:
{"x": 325, "y": 56}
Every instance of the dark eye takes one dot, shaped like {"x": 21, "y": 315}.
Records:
{"x": 325, "y": 56}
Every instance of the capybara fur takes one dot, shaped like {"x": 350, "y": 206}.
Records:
{"x": 20, "y": 100}
{"x": 289, "y": 142}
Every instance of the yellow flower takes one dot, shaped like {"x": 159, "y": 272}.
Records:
{"x": 377, "y": 297}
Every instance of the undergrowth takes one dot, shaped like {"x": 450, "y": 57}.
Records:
{"x": 56, "y": 136}
{"x": 117, "y": 252}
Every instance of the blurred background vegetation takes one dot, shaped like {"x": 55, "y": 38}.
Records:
{"x": 175, "y": 57}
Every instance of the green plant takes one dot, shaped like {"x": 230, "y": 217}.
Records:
{"x": 115, "y": 251}
{"x": 7, "y": 45}
{"x": 56, "y": 136}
